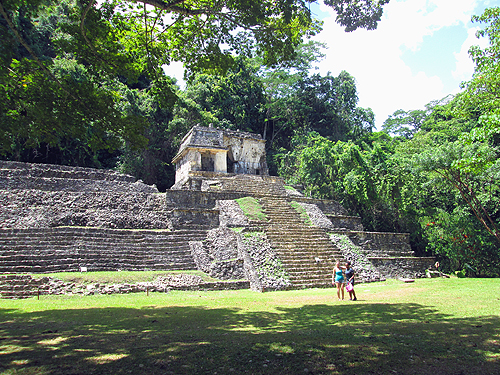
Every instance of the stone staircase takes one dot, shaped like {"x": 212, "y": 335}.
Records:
{"x": 306, "y": 251}
{"x": 69, "y": 248}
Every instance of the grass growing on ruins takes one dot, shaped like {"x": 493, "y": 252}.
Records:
{"x": 302, "y": 212}
{"x": 251, "y": 208}
{"x": 432, "y": 326}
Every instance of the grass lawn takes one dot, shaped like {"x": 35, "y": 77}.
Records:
{"x": 113, "y": 277}
{"x": 432, "y": 326}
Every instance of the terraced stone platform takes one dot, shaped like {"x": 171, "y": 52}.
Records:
{"x": 67, "y": 249}
{"x": 55, "y": 218}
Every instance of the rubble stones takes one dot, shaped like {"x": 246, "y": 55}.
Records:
{"x": 270, "y": 271}
{"x": 25, "y": 286}
{"x": 231, "y": 214}
{"x": 218, "y": 255}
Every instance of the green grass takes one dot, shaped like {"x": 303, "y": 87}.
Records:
{"x": 251, "y": 208}
{"x": 432, "y": 326}
{"x": 113, "y": 277}
{"x": 302, "y": 212}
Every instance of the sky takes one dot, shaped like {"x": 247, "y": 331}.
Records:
{"x": 417, "y": 54}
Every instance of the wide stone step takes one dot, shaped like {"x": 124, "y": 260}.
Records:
{"x": 33, "y": 246}
{"x": 155, "y": 242}
{"x": 104, "y": 267}
{"x": 67, "y": 249}
{"x": 93, "y": 253}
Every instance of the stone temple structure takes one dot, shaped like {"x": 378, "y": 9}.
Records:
{"x": 221, "y": 151}
{"x": 56, "y": 218}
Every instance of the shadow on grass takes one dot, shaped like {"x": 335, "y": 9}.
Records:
{"x": 317, "y": 339}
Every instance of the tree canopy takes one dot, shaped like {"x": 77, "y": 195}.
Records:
{"x": 60, "y": 57}
{"x": 432, "y": 172}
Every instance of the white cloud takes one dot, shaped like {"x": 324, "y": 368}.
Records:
{"x": 175, "y": 70}
{"x": 384, "y": 82}
{"x": 465, "y": 65}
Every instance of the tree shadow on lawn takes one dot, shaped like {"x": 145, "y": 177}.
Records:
{"x": 317, "y": 339}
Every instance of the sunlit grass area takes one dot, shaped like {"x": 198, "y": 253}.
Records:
{"x": 431, "y": 326}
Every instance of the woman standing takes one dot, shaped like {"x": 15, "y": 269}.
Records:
{"x": 349, "y": 275}
{"x": 338, "y": 279}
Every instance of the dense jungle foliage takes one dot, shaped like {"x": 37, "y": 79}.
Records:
{"x": 86, "y": 83}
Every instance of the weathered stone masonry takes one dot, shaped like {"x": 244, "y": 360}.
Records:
{"x": 56, "y": 218}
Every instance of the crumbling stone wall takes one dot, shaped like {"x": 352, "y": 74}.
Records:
{"x": 41, "y": 196}
{"x": 231, "y": 214}
{"x": 226, "y": 254}
{"x": 113, "y": 209}
{"x": 328, "y": 207}
{"x": 317, "y": 217}
{"x": 394, "y": 268}
{"x": 264, "y": 269}
{"x": 218, "y": 256}
{"x": 13, "y": 169}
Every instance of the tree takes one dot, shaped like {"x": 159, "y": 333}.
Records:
{"x": 235, "y": 101}
{"x": 46, "y": 98}
{"x": 406, "y": 123}
{"x": 280, "y": 84}
{"x": 327, "y": 105}
{"x": 129, "y": 39}
{"x": 481, "y": 98}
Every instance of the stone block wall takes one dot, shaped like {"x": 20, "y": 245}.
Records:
{"x": 18, "y": 286}
{"x": 69, "y": 249}
{"x": 382, "y": 244}
{"x": 19, "y": 169}
{"x": 44, "y": 209}
{"x": 394, "y": 268}
{"x": 198, "y": 199}
{"x": 348, "y": 223}
{"x": 182, "y": 218}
